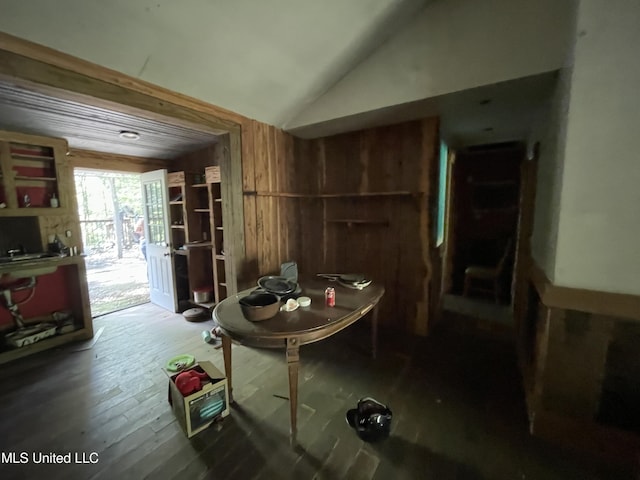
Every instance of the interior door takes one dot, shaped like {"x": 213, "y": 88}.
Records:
{"x": 160, "y": 269}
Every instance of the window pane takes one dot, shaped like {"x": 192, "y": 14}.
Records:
{"x": 153, "y": 205}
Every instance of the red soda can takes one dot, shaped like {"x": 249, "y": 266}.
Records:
{"x": 330, "y": 297}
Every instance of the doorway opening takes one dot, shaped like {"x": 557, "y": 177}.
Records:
{"x": 110, "y": 210}
{"x": 482, "y": 231}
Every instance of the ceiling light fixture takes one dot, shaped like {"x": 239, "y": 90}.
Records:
{"x": 129, "y": 135}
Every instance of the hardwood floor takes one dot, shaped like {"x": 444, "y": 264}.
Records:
{"x": 456, "y": 399}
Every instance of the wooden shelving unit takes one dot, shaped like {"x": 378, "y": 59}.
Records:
{"x": 188, "y": 230}
{"x": 214, "y": 189}
{"x": 32, "y": 172}
{"x": 198, "y": 233}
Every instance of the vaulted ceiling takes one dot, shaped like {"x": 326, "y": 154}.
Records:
{"x": 258, "y": 58}
{"x": 322, "y": 67}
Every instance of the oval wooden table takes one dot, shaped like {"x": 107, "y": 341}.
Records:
{"x": 290, "y": 330}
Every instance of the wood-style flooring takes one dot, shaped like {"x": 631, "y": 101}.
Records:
{"x": 458, "y": 410}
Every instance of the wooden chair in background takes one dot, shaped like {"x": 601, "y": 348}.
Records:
{"x": 487, "y": 279}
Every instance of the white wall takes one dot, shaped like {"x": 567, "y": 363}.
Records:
{"x": 451, "y": 46}
{"x": 599, "y": 229}
{"x": 550, "y": 131}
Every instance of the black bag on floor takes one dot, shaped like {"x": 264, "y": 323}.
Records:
{"x": 370, "y": 419}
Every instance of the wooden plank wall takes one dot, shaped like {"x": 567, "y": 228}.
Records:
{"x": 196, "y": 161}
{"x": 394, "y": 247}
{"x": 268, "y": 165}
{"x": 287, "y": 218}
{"x": 580, "y": 366}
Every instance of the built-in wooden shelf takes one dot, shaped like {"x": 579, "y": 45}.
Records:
{"x": 207, "y": 305}
{"x": 222, "y": 284}
{"x": 191, "y": 245}
{"x": 399, "y": 193}
{"x": 20, "y": 156}
{"x": 202, "y": 235}
{"x": 179, "y": 251}
{"x": 31, "y": 162}
{"x": 36, "y": 179}
{"x": 359, "y": 221}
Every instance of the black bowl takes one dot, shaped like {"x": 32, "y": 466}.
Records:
{"x": 259, "y": 306}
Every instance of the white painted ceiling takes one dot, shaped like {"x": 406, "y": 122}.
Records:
{"x": 274, "y": 60}
{"x": 494, "y": 113}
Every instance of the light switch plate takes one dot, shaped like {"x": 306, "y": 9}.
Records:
{"x": 68, "y": 233}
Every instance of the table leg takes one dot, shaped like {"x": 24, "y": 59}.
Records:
{"x": 293, "y": 362}
{"x": 374, "y": 332}
{"x": 226, "y": 353}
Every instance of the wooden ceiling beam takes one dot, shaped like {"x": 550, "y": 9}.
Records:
{"x": 63, "y": 62}
{"x": 108, "y": 161}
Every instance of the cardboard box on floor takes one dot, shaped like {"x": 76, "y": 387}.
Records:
{"x": 199, "y": 410}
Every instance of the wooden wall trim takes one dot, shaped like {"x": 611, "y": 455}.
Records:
{"x": 83, "y": 88}
{"x": 428, "y": 183}
{"x": 539, "y": 279}
{"x": 37, "y": 139}
{"x": 110, "y": 161}
{"x": 590, "y": 301}
{"x": 234, "y": 222}
{"x": 50, "y": 56}
{"x": 449, "y": 230}
{"x": 519, "y": 284}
